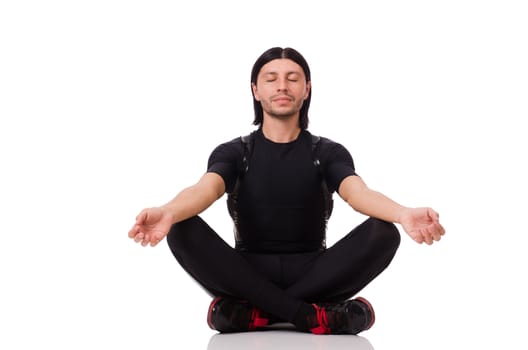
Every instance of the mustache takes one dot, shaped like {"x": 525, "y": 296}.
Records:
{"x": 273, "y": 97}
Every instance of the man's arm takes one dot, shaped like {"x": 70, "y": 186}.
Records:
{"x": 422, "y": 224}
{"x": 153, "y": 224}
{"x": 195, "y": 199}
{"x": 355, "y": 192}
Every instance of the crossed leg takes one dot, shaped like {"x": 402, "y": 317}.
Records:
{"x": 334, "y": 274}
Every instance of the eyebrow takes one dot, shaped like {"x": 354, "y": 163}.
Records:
{"x": 288, "y": 73}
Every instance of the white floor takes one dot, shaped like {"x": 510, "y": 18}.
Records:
{"x": 284, "y": 340}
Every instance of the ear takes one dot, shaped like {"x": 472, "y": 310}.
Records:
{"x": 308, "y": 88}
{"x": 255, "y": 91}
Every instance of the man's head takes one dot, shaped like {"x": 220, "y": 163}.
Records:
{"x": 280, "y": 82}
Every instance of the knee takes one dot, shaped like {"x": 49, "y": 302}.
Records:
{"x": 384, "y": 234}
{"x": 184, "y": 234}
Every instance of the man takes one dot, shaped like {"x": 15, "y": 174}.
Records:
{"x": 279, "y": 182}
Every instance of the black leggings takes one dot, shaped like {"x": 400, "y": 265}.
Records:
{"x": 280, "y": 283}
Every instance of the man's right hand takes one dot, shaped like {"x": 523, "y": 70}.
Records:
{"x": 152, "y": 225}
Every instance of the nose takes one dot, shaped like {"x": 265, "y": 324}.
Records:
{"x": 282, "y": 84}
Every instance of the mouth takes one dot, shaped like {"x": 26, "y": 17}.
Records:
{"x": 282, "y": 99}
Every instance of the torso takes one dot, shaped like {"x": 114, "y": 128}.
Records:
{"x": 279, "y": 204}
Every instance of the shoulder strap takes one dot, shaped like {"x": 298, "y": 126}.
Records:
{"x": 329, "y": 202}
{"x": 245, "y": 139}
{"x": 247, "y": 142}
{"x": 315, "y": 150}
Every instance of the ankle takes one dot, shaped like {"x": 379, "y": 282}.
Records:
{"x": 233, "y": 315}
{"x": 307, "y": 318}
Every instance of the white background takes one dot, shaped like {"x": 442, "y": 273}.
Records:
{"x": 111, "y": 106}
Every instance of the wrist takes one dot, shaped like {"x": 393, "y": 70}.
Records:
{"x": 169, "y": 212}
{"x": 402, "y": 212}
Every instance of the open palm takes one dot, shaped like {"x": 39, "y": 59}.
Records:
{"x": 151, "y": 226}
{"x": 422, "y": 225}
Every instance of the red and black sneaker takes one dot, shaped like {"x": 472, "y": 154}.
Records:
{"x": 348, "y": 317}
{"x": 227, "y": 315}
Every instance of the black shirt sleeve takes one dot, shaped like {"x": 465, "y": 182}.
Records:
{"x": 337, "y": 163}
{"x": 225, "y": 160}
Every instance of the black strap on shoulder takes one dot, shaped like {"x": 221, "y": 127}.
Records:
{"x": 329, "y": 202}
{"x": 315, "y": 148}
{"x": 247, "y": 142}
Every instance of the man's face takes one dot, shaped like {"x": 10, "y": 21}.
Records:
{"x": 281, "y": 88}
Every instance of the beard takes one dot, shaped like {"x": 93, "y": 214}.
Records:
{"x": 282, "y": 112}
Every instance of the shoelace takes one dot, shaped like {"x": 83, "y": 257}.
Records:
{"x": 257, "y": 320}
{"x": 322, "y": 320}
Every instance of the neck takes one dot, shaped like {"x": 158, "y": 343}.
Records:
{"x": 281, "y": 130}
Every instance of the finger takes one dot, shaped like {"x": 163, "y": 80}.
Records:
{"x": 140, "y": 219}
{"x": 437, "y": 230}
{"x": 441, "y": 229}
{"x": 433, "y": 214}
{"x": 133, "y": 231}
{"x": 428, "y": 237}
{"x": 418, "y": 238}
{"x": 432, "y": 236}
{"x": 139, "y": 237}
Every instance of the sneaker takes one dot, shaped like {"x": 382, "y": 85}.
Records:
{"x": 348, "y": 317}
{"x": 228, "y": 315}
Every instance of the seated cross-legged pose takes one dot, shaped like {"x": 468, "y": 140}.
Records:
{"x": 279, "y": 182}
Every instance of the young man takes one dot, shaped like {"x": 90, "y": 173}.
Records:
{"x": 279, "y": 182}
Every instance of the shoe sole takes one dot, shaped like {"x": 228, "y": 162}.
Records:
{"x": 371, "y": 309}
{"x": 210, "y": 312}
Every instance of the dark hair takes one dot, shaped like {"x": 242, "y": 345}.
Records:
{"x": 270, "y": 55}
